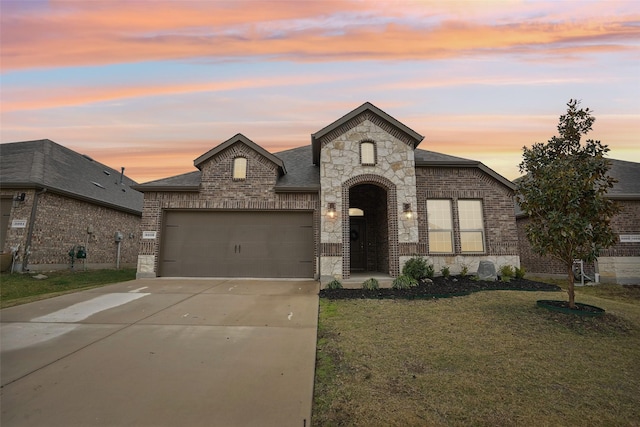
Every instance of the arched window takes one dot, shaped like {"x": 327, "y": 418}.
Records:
{"x": 239, "y": 168}
{"x": 367, "y": 153}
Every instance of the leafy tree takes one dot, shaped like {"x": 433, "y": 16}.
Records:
{"x": 564, "y": 194}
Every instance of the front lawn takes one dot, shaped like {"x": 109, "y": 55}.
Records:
{"x": 19, "y": 288}
{"x": 489, "y": 358}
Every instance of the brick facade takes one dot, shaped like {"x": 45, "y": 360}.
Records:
{"x": 617, "y": 264}
{"x": 62, "y": 222}
{"x": 219, "y": 191}
{"x": 454, "y": 183}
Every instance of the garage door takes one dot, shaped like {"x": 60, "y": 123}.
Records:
{"x": 237, "y": 244}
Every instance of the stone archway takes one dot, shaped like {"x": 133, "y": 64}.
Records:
{"x": 368, "y": 190}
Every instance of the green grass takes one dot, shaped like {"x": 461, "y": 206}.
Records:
{"x": 490, "y": 358}
{"x": 18, "y": 289}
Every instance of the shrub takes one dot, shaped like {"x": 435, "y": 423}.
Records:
{"x": 404, "y": 282}
{"x": 416, "y": 268}
{"x": 370, "y": 284}
{"x": 464, "y": 270}
{"x": 506, "y": 273}
{"x": 334, "y": 284}
{"x": 445, "y": 271}
{"x": 520, "y": 273}
{"x": 430, "y": 271}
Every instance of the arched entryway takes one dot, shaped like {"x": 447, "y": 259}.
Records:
{"x": 370, "y": 228}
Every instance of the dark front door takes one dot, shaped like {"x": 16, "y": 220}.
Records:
{"x": 357, "y": 234}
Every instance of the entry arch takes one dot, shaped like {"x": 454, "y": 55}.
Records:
{"x": 392, "y": 220}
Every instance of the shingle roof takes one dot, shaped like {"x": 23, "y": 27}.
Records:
{"x": 430, "y": 158}
{"x": 46, "y": 164}
{"x": 302, "y": 174}
{"x": 627, "y": 187}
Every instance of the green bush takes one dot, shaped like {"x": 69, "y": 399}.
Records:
{"x": 370, "y": 284}
{"x": 464, "y": 270}
{"x": 416, "y": 268}
{"x": 430, "y": 271}
{"x": 445, "y": 271}
{"x": 404, "y": 282}
{"x": 506, "y": 273}
{"x": 520, "y": 272}
{"x": 334, "y": 284}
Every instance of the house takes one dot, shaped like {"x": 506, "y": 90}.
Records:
{"x": 360, "y": 198}
{"x": 617, "y": 264}
{"x": 54, "y": 199}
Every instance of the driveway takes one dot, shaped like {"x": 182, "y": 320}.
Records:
{"x": 163, "y": 352}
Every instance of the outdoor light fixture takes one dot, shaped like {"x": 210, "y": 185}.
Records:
{"x": 331, "y": 210}
{"x": 406, "y": 208}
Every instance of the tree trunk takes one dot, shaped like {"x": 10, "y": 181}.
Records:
{"x": 570, "y": 289}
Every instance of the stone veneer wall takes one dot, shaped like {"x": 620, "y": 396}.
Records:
{"x": 394, "y": 171}
{"x": 617, "y": 264}
{"x": 62, "y": 222}
{"x": 218, "y": 191}
{"x": 453, "y": 183}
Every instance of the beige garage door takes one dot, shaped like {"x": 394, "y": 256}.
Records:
{"x": 237, "y": 244}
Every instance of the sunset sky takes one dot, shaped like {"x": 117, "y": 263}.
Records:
{"x": 152, "y": 85}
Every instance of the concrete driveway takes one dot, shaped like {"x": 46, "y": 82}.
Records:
{"x": 163, "y": 352}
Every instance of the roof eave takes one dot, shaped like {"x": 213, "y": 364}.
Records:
{"x": 166, "y": 188}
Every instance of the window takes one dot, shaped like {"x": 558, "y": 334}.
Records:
{"x": 440, "y": 226}
{"x": 239, "y": 168}
{"x": 367, "y": 153}
{"x": 471, "y": 226}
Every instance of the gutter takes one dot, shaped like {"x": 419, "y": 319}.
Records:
{"x": 32, "y": 219}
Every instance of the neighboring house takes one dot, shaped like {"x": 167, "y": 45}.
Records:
{"x": 618, "y": 264}
{"x": 54, "y": 199}
{"x": 360, "y": 198}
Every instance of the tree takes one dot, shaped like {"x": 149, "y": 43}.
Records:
{"x": 564, "y": 193}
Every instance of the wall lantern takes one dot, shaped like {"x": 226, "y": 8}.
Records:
{"x": 331, "y": 210}
{"x": 20, "y": 197}
{"x": 406, "y": 208}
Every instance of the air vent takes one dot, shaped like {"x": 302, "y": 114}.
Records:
{"x": 97, "y": 184}
{"x": 87, "y": 157}
{"x": 107, "y": 172}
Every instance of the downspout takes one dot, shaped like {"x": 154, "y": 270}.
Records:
{"x": 32, "y": 219}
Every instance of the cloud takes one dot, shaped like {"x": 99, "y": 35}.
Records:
{"x": 98, "y": 33}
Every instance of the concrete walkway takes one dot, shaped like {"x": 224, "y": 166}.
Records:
{"x": 162, "y": 352}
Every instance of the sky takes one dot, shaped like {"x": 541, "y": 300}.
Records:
{"x": 152, "y": 85}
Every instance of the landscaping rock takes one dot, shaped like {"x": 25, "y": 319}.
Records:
{"x": 487, "y": 271}
{"x": 40, "y": 277}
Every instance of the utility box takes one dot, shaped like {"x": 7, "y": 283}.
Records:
{"x": 118, "y": 236}
{"x": 81, "y": 252}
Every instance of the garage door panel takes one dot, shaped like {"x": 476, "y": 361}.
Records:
{"x": 237, "y": 244}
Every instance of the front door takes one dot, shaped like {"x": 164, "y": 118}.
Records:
{"x": 357, "y": 237}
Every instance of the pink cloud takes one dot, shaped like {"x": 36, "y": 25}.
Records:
{"x": 89, "y": 34}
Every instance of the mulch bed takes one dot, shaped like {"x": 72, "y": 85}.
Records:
{"x": 440, "y": 287}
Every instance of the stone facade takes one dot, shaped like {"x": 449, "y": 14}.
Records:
{"x": 341, "y": 169}
{"x": 60, "y": 223}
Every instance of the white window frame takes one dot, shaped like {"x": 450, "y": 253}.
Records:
{"x": 239, "y": 169}
{"x": 471, "y": 222}
{"x": 372, "y": 155}
{"x": 437, "y": 227}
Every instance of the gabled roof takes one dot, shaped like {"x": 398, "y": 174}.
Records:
{"x": 430, "y": 158}
{"x": 48, "y": 165}
{"x": 240, "y": 138}
{"x": 302, "y": 175}
{"x": 316, "y": 139}
{"x": 186, "y": 182}
{"x": 627, "y": 187}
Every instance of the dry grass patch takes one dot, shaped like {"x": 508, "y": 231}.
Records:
{"x": 491, "y": 358}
